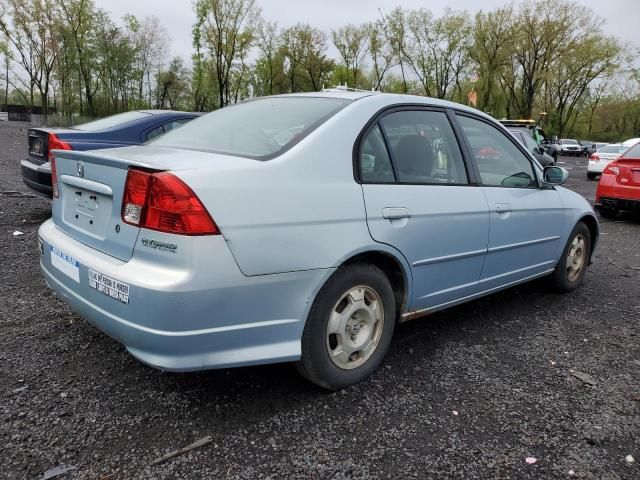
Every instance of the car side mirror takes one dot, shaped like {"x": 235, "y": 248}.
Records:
{"x": 555, "y": 175}
{"x": 541, "y": 150}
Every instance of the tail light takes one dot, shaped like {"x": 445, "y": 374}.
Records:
{"x": 611, "y": 170}
{"x": 594, "y": 157}
{"x": 161, "y": 201}
{"x": 56, "y": 144}
{"x": 54, "y": 178}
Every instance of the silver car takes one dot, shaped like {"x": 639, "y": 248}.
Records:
{"x": 301, "y": 228}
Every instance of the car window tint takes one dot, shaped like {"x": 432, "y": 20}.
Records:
{"x": 175, "y": 124}
{"x": 499, "y": 161}
{"x": 633, "y": 152}
{"x": 112, "y": 121}
{"x": 424, "y": 148}
{"x": 375, "y": 164}
{"x": 260, "y": 129}
{"x": 156, "y": 132}
{"x": 530, "y": 143}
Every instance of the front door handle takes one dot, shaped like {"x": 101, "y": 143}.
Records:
{"x": 503, "y": 207}
{"x": 395, "y": 213}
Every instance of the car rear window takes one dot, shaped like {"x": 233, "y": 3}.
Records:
{"x": 612, "y": 149}
{"x": 112, "y": 121}
{"x": 259, "y": 129}
{"x": 633, "y": 152}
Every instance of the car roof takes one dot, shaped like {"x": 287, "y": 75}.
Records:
{"x": 167, "y": 112}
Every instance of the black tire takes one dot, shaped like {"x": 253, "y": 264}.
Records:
{"x": 610, "y": 213}
{"x": 555, "y": 157}
{"x": 315, "y": 364}
{"x": 560, "y": 278}
{"x": 591, "y": 176}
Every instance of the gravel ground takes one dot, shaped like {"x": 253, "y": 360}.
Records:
{"x": 467, "y": 393}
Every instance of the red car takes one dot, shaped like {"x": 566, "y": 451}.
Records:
{"x": 619, "y": 186}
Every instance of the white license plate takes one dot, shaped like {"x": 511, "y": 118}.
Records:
{"x": 109, "y": 286}
{"x": 65, "y": 263}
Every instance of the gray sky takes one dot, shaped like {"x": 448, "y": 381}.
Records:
{"x": 621, "y": 16}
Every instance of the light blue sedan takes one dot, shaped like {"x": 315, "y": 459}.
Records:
{"x": 301, "y": 228}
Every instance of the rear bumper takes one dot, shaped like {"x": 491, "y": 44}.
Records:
{"x": 612, "y": 203}
{"x": 195, "y": 314}
{"x": 37, "y": 177}
{"x": 597, "y": 167}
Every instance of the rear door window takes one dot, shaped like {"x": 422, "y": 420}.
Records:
{"x": 423, "y": 147}
{"x": 375, "y": 164}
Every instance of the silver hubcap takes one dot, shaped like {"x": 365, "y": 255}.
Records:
{"x": 576, "y": 257}
{"x": 355, "y": 327}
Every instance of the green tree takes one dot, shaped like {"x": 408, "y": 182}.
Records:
{"x": 352, "y": 43}
{"x": 226, "y": 29}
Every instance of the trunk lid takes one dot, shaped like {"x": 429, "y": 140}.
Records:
{"x": 38, "y": 144}
{"x": 629, "y": 172}
{"x": 91, "y": 187}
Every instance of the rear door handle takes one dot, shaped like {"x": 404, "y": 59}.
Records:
{"x": 394, "y": 213}
{"x": 503, "y": 207}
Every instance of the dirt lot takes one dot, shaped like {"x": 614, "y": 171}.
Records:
{"x": 70, "y": 395}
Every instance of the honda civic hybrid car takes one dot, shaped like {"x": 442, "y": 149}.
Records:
{"x": 301, "y": 228}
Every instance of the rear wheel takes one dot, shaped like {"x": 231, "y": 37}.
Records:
{"x": 591, "y": 176}
{"x": 349, "y": 327}
{"x": 571, "y": 268}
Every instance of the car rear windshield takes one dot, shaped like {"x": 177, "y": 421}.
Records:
{"x": 110, "y": 122}
{"x": 633, "y": 153}
{"x": 259, "y": 129}
{"x": 612, "y": 149}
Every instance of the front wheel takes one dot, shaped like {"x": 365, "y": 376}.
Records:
{"x": 591, "y": 176}
{"x": 349, "y": 327}
{"x": 571, "y": 268}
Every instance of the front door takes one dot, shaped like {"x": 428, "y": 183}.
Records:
{"x": 419, "y": 199}
{"x": 526, "y": 218}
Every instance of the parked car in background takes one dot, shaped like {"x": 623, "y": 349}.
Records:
{"x": 599, "y": 160}
{"x": 532, "y": 129}
{"x": 568, "y": 146}
{"x": 130, "y": 128}
{"x": 586, "y": 146}
{"x": 536, "y": 150}
{"x": 302, "y": 228}
{"x": 619, "y": 186}
{"x": 592, "y": 147}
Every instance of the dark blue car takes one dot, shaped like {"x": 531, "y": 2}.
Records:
{"x": 130, "y": 128}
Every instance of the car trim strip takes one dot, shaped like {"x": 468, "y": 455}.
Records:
{"x": 446, "y": 258}
{"x": 510, "y": 246}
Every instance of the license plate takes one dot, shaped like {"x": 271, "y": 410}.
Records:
{"x": 37, "y": 147}
{"x": 109, "y": 286}
{"x": 65, "y": 263}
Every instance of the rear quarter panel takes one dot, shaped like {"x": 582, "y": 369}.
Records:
{"x": 302, "y": 210}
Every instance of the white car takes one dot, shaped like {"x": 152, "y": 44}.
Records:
{"x": 569, "y": 146}
{"x": 600, "y": 159}
{"x": 631, "y": 142}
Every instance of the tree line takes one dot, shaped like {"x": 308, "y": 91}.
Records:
{"x": 515, "y": 61}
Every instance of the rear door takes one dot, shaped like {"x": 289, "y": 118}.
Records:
{"x": 526, "y": 219}
{"x": 420, "y": 199}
